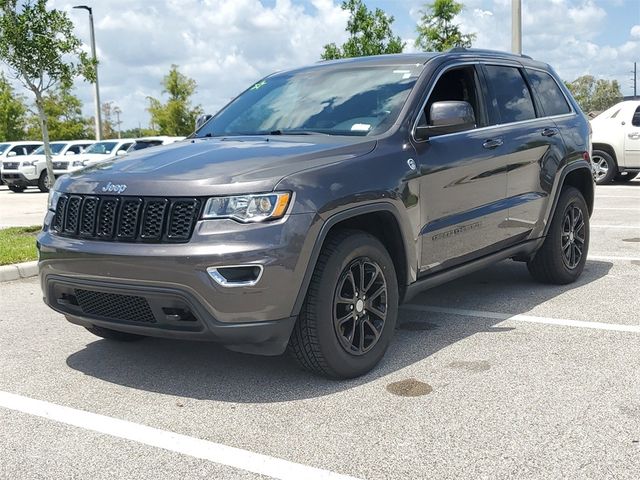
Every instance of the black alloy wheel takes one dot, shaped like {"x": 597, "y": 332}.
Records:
{"x": 360, "y": 306}
{"x": 573, "y": 236}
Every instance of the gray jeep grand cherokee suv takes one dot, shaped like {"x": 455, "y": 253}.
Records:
{"x": 308, "y": 208}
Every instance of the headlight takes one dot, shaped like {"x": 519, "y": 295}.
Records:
{"x": 54, "y": 195}
{"x": 78, "y": 163}
{"x": 28, "y": 164}
{"x": 248, "y": 208}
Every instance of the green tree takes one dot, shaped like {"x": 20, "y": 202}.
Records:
{"x": 176, "y": 117}
{"x": 12, "y": 112}
{"x": 595, "y": 95}
{"x": 436, "y": 30}
{"x": 369, "y": 34}
{"x": 63, "y": 111}
{"x": 39, "y": 47}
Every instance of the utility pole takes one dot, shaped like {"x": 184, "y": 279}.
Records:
{"x": 516, "y": 26}
{"x": 96, "y": 92}
{"x": 117, "y": 111}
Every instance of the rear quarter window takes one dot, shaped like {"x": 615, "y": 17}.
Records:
{"x": 548, "y": 92}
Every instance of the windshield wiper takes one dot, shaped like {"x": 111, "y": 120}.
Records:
{"x": 294, "y": 131}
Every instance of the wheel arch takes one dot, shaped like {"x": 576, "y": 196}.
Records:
{"x": 576, "y": 175}
{"x": 605, "y": 147}
{"x": 381, "y": 220}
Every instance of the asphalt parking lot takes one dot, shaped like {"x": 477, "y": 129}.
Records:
{"x": 490, "y": 376}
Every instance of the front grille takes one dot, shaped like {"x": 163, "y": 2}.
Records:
{"x": 10, "y": 165}
{"x": 126, "y": 219}
{"x": 114, "y": 306}
{"x": 60, "y": 165}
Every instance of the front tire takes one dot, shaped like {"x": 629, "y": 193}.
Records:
{"x": 605, "y": 167}
{"x": 563, "y": 254}
{"x": 109, "y": 334}
{"x": 350, "y": 312}
{"x": 43, "y": 182}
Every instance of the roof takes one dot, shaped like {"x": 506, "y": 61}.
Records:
{"x": 22, "y": 142}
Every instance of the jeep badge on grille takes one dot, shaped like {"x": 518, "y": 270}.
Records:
{"x": 110, "y": 187}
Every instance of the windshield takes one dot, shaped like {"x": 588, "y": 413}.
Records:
{"x": 101, "y": 148}
{"x": 141, "y": 144}
{"x": 354, "y": 100}
{"x": 56, "y": 148}
{"x": 3, "y": 147}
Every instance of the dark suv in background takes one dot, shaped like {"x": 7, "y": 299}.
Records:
{"x": 306, "y": 210}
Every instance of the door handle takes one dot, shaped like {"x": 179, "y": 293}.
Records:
{"x": 634, "y": 136}
{"x": 549, "y": 132}
{"x": 493, "y": 143}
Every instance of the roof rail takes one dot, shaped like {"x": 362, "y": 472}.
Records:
{"x": 484, "y": 50}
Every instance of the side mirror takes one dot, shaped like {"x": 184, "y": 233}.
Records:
{"x": 121, "y": 152}
{"x": 447, "y": 117}
{"x": 69, "y": 152}
{"x": 202, "y": 119}
{"x": 11, "y": 154}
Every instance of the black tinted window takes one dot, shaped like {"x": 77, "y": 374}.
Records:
{"x": 548, "y": 93}
{"x": 511, "y": 94}
{"x": 635, "y": 121}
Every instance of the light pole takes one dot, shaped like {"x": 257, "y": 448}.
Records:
{"x": 96, "y": 93}
{"x": 516, "y": 26}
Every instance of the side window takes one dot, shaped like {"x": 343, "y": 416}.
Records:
{"x": 549, "y": 94}
{"x": 75, "y": 149}
{"x": 635, "y": 121}
{"x": 19, "y": 150}
{"x": 30, "y": 148}
{"x": 511, "y": 97}
{"x": 125, "y": 146}
{"x": 456, "y": 84}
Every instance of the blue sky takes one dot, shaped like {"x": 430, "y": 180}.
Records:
{"x": 226, "y": 45}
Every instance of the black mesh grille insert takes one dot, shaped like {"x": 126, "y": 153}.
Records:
{"x": 126, "y": 219}
{"x": 118, "y": 307}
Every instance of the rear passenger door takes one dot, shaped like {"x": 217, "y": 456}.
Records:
{"x": 533, "y": 147}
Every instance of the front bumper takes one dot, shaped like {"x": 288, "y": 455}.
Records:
{"x": 17, "y": 178}
{"x": 172, "y": 281}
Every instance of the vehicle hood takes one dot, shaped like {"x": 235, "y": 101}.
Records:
{"x": 214, "y": 166}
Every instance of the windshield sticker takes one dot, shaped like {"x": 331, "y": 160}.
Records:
{"x": 360, "y": 127}
{"x": 259, "y": 84}
{"x": 405, "y": 73}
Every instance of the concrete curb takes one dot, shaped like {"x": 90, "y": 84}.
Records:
{"x": 18, "y": 271}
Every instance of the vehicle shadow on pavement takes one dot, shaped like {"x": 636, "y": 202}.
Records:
{"x": 208, "y": 371}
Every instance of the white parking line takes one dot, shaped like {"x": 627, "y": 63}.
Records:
{"x": 613, "y": 257}
{"x": 618, "y": 208}
{"x": 617, "y": 196}
{"x": 614, "y": 226}
{"x": 525, "y": 318}
{"x": 175, "y": 442}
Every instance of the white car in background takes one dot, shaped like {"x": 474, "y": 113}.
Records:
{"x": 19, "y": 173}
{"x": 10, "y": 150}
{"x": 616, "y": 143}
{"x": 96, "y": 153}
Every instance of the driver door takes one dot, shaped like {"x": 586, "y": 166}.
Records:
{"x": 463, "y": 179}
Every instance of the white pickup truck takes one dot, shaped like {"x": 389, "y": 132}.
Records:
{"x": 616, "y": 143}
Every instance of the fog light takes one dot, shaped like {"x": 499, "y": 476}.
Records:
{"x": 236, "y": 275}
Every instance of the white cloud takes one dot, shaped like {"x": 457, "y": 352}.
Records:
{"x": 226, "y": 45}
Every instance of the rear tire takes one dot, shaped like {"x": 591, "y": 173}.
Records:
{"x": 605, "y": 167}
{"x": 624, "y": 178}
{"x": 109, "y": 334}
{"x": 563, "y": 254}
{"x": 16, "y": 189}
{"x": 43, "y": 182}
{"x": 350, "y": 311}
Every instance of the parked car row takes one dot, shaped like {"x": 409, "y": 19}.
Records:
{"x": 23, "y": 164}
{"x": 616, "y": 143}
